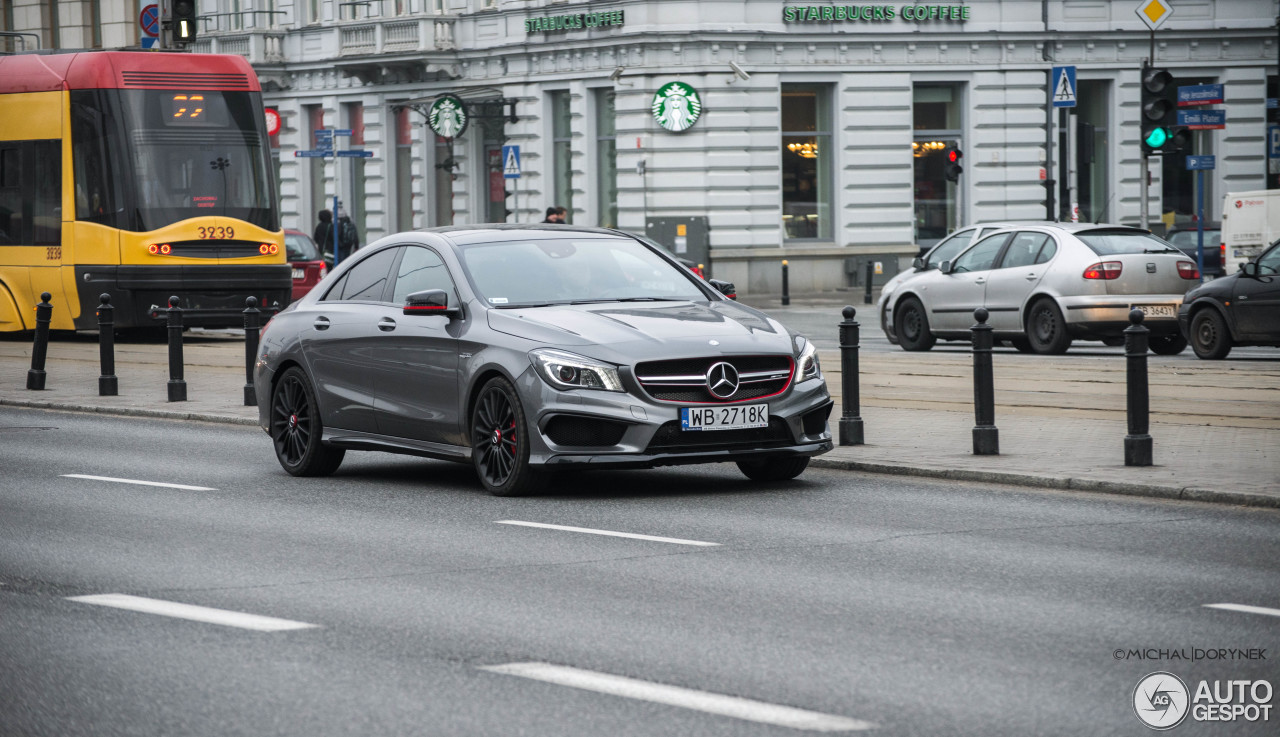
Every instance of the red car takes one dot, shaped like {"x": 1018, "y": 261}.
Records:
{"x": 308, "y": 266}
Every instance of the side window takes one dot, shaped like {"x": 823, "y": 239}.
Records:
{"x": 981, "y": 256}
{"x": 948, "y": 249}
{"x": 420, "y": 269}
{"x": 1269, "y": 262}
{"x": 1047, "y": 251}
{"x": 367, "y": 280}
{"x": 10, "y": 194}
{"x": 31, "y": 193}
{"x": 1022, "y": 250}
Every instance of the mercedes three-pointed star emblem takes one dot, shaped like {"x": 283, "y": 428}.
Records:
{"x": 722, "y": 380}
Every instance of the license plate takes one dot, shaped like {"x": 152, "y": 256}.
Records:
{"x": 736, "y": 417}
{"x": 1157, "y": 310}
{"x": 299, "y": 273}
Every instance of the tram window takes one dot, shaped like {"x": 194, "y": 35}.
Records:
{"x": 10, "y": 195}
{"x": 30, "y": 193}
{"x": 95, "y": 168}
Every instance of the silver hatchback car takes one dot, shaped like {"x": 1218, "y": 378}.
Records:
{"x": 1046, "y": 285}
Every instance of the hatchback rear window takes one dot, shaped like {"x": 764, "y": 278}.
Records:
{"x": 1116, "y": 242}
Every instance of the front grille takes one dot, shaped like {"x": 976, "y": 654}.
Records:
{"x": 671, "y": 439}
{"x": 185, "y": 80}
{"x": 584, "y": 432}
{"x": 685, "y": 379}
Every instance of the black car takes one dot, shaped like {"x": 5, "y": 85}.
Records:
{"x": 1187, "y": 240}
{"x": 1241, "y": 309}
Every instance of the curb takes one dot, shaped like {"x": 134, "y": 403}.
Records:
{"x": 1188, "y": 493}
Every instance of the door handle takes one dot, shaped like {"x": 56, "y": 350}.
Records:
{"x": 386, "y": 324}
{"x": 979, "y": 281}
{"x": 1031, "y": 277}
{"x": 321, "y": 323}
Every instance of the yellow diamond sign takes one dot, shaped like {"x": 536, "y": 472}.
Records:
{"x": 1154, "y": 12}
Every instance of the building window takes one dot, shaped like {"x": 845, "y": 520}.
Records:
{"x": 936, "y": 120}
{"x": 314, "y": 115}
{"x": 807, "y": 180}
{"x": 562, "y": 153}
{"x": 355, "y": 209}
{"x": 404, "y": 170}
{"x": 311, "y": 11}
{"x": 1091, "y": 150}
{"x": 606, "y": 159}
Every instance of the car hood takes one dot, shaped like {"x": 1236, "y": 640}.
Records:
{"x": 666, "y": 329}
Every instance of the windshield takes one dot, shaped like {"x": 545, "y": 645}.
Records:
{"x": 301, "y": 247}
{"x": 947, "y": 250}
{"x": 1116, "y": 242}
{"x": 150, "y": 158}
{"x": 573, "y": 270}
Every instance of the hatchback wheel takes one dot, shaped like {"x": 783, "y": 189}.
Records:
{"x": 1046, "y": 329}
{"x": 499, "y": 446}
{"x": 1022, "y": 344}
{"x": 1167, "y": 345}
{"x": 777, "y": 469}
{"x": 296, "y": 429}
{"x": 912, "y": 326}
{"x": 1210, "y": 337}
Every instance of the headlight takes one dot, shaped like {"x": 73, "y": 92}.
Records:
{"x": 564, "y": 370}
{"x": 809, "y": 366}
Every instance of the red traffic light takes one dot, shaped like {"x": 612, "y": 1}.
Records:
{"x": 954, "y": 155}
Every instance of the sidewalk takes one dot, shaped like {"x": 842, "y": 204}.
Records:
{"x": 1059, "y": 427}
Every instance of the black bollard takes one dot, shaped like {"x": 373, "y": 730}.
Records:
{"x": 850, "y": 417}
{"x": 1137, "y": 444}
{"x": 177, "y": 385}
{"x": 107, "y": 384}
{"x": 986, "y": 437}
{"x": 866, "y": 297}
{"x": 786, "y": 287}
{"x": 250, "y": 348}
{"x": 40, "y": 350}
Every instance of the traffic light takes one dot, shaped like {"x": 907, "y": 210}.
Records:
{"x": 1159, "y": 111}
{"x": 184, "y": 22}
{"x": 954, "y": 170}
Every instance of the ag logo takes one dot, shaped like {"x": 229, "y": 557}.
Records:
{"x": 1239, "y": 203}
{"x": 1160, "y": 700}
{"x": 676, "y": 106}
{"x": 448, "y": 117}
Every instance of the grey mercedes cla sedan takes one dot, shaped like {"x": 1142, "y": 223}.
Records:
{"x": 526, "y": 350}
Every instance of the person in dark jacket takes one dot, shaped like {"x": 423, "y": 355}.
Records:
{"x": 555, "y": 214}
{"x": 324, "y": 235}
{"x": 348, "y": 236}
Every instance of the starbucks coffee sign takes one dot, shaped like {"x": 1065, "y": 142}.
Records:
{"x": 448, "y": 117}
{"x": 874, "y": 13}
{"x": 573, "y": 21}
{"x": 676, "y": 106}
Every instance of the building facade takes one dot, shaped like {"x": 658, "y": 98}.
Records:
{"x": 816, "y": 133}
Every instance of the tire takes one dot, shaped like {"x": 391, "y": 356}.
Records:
{"x": 912, "y": 326}
{"x": 776, "y": 469}
{"x": 296, "y": 429}
{"x": 1022, "y": 344}
{"x": 1113, "y": 342}
{"x": 499, "y": 447}
{"x": 1046, "y": 329}
{"x": 1210, "y": 338}
{"x": 1167, "y": 345}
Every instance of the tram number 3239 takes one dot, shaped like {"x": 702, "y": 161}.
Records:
{"x": 53, "y": 253}
{"x": 216, "y": 232}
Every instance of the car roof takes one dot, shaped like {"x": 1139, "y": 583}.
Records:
{"x": 487, "y": 233}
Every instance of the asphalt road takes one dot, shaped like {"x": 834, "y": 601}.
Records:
{"x": 841, "y": 601}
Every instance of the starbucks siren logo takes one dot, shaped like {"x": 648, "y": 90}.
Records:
{"x": 448, "y": 117}
{"x": 676, "y": 106}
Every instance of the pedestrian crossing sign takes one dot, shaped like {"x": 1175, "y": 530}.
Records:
{"x": 510, "y": 162}
{"x": 1062, "y": 90}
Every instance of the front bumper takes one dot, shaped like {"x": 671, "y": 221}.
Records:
{"x": 641, "y": 432}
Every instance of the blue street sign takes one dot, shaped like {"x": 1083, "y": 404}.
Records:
{"x": 1202, "y": 120}
{"x": 1273, "y": 103}
{"x": 1201, "y": 163}
{"x": 148, "y": 41}
{"x": 1199, "y": 94}
{"x": 342, "y": 132}
{"x": 510, "y": 162}
{"x": 356, "y": 153}
{"x": 1273, "y": 142}
{"x": 1062, "y": 89}
{"x": 312, "y": 154}
{"x": 324, "y": 133}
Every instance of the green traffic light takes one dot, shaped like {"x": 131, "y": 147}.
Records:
{"x": 1157, "y": 137}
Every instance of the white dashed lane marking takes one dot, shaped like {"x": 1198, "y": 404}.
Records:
{"x": 589, "y": 531}
{"x": 687, "y": 698}
{"x": 192, "y": 612}
{"x": 184, "y": 487}
{"x": 1245, "y": 608}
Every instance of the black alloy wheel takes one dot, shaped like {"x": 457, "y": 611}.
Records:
{"x": 499, "y": 446}
{"x": 1210, "y": 337}
{"x": 1046, "y": 328}
{"x": 912, "y": 326}
{"x": 775, "y": 469}
{"x": 296, "y": 429}
{"x": 1167, "y": 345}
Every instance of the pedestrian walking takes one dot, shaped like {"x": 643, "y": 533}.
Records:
{"x": 555, "y": 214}
{"x": 348, "y": 237}
{"x": 324, "y": 235}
